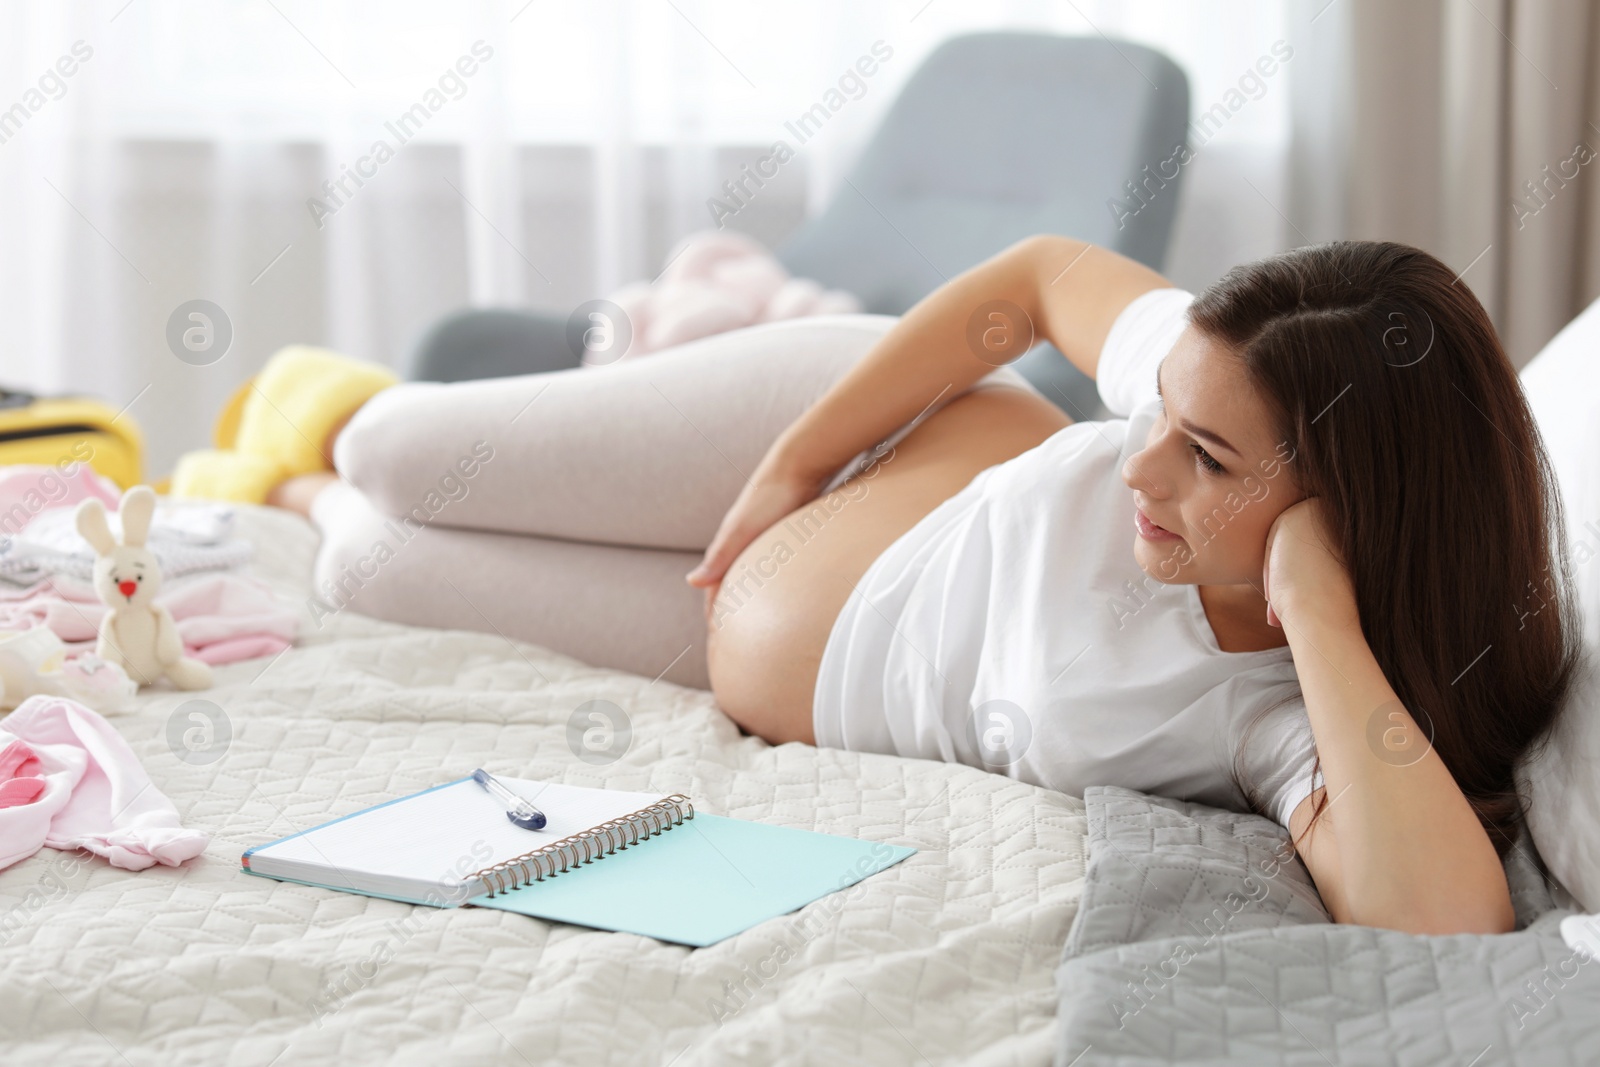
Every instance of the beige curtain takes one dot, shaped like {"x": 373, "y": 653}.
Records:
{"x": 1470, "y": 128}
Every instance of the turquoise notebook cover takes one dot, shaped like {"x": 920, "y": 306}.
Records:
{"x": 704, "y": 880}
{"x": 697, "y": 883}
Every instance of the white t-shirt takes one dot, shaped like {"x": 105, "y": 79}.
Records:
{"x": 1012, "y": 628}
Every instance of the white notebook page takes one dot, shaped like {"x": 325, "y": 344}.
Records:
{"x": 441, "y": 836}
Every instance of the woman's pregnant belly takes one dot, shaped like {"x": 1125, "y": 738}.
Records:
{"x": 778, "y": 601}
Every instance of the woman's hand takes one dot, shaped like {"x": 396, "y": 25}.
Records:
{"x": 1303, "y": 571}
{"x": 764, "y": 500}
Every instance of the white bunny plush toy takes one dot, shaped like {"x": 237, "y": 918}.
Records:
{"x": 137, "y": 634}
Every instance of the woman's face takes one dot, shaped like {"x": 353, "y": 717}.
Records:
{"x": 1212, "y": 475}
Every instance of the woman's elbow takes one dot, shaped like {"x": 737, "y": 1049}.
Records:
{"x": 1439, "y": 921}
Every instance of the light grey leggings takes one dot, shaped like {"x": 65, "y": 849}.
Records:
{"x": 565, "y": 508}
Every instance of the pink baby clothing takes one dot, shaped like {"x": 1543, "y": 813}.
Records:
{"x": 222, "y": 617}
{"x": 95, "y": 795}
{"x": 27, "y": 489}
{"x": 234, "y": 649}
{"x": 19, "y": 775}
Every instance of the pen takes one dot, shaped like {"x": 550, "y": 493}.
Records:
{"x": 519, "y": 811}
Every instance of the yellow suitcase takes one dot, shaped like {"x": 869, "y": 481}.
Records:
{"x": 58, "y": 431}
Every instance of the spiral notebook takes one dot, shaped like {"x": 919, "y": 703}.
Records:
{"x": 634, "y": 862}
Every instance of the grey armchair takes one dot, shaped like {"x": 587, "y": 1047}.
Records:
{"x": 995, "y": 137}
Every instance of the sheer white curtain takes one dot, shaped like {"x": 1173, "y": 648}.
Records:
{"x": 210, "y": 151}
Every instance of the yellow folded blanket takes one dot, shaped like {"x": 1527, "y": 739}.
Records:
{"x": 279, "y": 425}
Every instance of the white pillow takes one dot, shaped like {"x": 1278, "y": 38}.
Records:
{"x": 1563, "y": 387}
{"x": 1562, "y": 782}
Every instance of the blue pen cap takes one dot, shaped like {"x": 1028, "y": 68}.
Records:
{"x": 519, "y": 811}
{"x": 528, "y": 818}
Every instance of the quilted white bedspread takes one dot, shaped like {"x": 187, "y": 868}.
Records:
{"x": 946, "y": 957}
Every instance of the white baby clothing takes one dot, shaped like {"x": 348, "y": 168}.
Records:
{"x": 186, "y": 538}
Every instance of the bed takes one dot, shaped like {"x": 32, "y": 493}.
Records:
{"x": 947, "y": 957}
{"x": 1025, "y": 929}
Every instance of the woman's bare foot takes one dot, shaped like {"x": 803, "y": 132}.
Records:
{"x": 298, "y": 492}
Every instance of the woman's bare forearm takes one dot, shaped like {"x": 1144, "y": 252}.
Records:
{"x": 1412, "y": 854}
{"x": 921, "y": 361}
{"x": 1043, "y": 288}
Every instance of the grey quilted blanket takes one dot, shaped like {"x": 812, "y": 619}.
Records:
{"x": 1200, "y": 939}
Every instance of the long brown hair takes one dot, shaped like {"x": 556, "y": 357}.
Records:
{"x": 1384, "y": 373}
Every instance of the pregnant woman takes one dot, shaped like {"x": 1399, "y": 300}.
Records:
{"x": 1327, "y": 451}
{"x": 1310, "y": 568}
